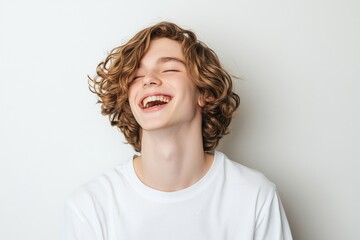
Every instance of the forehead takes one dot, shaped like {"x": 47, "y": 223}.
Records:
{"x": 162, "y": 48}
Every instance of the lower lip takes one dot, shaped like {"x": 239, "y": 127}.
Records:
{"x": 154, "y": 109}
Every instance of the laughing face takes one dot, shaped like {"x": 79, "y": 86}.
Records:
{"x": 162, "y": 95}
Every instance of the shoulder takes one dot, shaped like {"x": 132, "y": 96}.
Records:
{"x": 99, "y": 189}
{"x": 245, "y": 178}
{"x": 255, "y": 197}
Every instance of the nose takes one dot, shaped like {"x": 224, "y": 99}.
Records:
{"x": 151, "y": 80}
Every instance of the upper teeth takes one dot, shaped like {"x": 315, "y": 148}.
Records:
{"x": 155, "y": 98}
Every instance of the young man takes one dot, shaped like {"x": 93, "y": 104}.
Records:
{"x": 168, "y": 94}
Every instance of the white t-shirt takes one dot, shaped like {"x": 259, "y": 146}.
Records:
{"x": 230, "y": 202}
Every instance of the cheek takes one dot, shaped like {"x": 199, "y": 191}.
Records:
{"x": 132, "y": 107}
{"x": 132, "y": 95}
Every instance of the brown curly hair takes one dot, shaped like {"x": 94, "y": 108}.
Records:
{"x": 115, "y": 74}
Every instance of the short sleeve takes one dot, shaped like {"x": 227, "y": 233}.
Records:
{"x": 77, "y": 226}
{"x": 272, "y": 223}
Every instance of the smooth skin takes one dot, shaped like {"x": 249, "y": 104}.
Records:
{"x": 172, "y": 156}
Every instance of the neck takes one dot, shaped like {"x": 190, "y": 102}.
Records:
{"x": 172, "y": 159}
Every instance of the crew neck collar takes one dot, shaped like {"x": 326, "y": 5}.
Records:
{"x": 181, "y": 195}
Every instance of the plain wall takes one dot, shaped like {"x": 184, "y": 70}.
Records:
{"x": 298, "y": 64}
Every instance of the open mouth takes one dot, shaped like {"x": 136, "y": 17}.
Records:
{"x": 153, "y": 101}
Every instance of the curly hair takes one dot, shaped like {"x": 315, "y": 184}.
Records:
{"x": 114, "y": 76}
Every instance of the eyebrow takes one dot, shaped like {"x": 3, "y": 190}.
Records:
{"x": 168, "y": 59}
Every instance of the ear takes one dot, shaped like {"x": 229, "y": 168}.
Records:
{"x": 202, "y": 100}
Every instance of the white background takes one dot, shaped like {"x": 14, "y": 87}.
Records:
{"x": 299, "y": 68}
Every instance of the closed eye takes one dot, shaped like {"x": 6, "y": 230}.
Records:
{"x": 136, "y": 77}
{"x": 171, "y": 70}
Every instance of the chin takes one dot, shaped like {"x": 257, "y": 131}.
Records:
{"x": 153, "y": 126}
